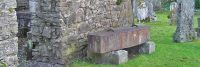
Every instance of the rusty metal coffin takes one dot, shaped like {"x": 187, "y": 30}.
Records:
{"x": 102, "y": 42}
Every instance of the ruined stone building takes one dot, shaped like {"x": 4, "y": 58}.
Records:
{"x": 54, "y": 32}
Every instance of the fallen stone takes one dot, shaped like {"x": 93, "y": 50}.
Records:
{"x": 114, "y": 57}
{"x": 147, "y": 48}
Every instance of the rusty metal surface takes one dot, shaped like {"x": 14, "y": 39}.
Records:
{"x": 102, "y": 42}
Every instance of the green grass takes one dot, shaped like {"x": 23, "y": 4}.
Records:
{"x": 168, "y": 53}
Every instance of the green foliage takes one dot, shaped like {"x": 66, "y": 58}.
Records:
{"x": 11, "y": 10}
{"x": 2, "y": 64}
{"x": 119, "y": 2}
{"x": 30, "y": 45}
{"x": 197, "y": 4}
{"x": 166, "y": 3}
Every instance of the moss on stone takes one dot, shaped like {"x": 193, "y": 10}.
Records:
{"x": 1, "y": 12}
{"x": 71, "y": 49}
{"x": 2, "y": 64}
{"x": 11, "y": 10}
{"x": 119, "y": 2}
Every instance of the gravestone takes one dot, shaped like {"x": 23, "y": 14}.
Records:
{"x": 157, "y": 5}
{"x": 173, "y": 13}
{"x": 185, "y": 31}
{"x": 142, "y": 11}
{"x": 151, "y": 13}
{"x": 198, "y": 29}
{"x": 102, "y": 42}
{"x": 147, "y": 48}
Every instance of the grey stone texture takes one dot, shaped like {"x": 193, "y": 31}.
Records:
{"x": 198, "y": 29}
{"x": 149, "y": 4}
{"x": 151, "y": 16}
{"x": 23, "y": 18}
{"x": 59, "y": 28}
{"x": 157, "y": 5}
{"x": 185, "y": 31}
{"x": 8, "y": 31}
{"x": 113, "y": 57}
{"x": 147, "y": 48}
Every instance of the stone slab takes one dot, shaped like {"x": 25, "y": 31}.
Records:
{"x": 102, "y": 42}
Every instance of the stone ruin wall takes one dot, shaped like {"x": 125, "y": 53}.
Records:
{"x": 8, "y": 31}
{"x": 59, "y": 28}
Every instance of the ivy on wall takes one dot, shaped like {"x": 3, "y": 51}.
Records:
{"x": 119, "y": 2}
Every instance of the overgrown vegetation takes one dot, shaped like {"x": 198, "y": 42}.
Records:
{"x": 197, "y": 4}
{"x": 2, "y": 64}
{"x": 119, "y": 2}
{"x": 168, "y": 53}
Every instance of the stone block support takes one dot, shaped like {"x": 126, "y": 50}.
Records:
{"x": 147, "y": 48}
{"x": 113, "y": 57}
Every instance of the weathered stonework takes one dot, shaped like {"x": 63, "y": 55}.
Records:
{"x": 173, "y": 13}
{"x": 23, "y": 18}
{"x": 8, "y": 31}
{"x": 113, "y": 57}
{"x": 59, "y": 28}
{"x": 144, "y": 9}
{"x": 147, "y": 48}
{"x": 185, "y": 31}
{"x": 157, "y": 5}
{"x": 198, "y": 29}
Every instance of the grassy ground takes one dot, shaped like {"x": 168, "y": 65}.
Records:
{"x": 168, "y": 53}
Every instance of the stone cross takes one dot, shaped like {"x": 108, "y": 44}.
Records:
{"x": 185, "y": 31}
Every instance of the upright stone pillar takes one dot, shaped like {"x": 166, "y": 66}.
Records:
{"x": 198, "y": 29}
{"x": 185, "y": 31}
{"x": 8, "y": 31}
{"x": 23, "y": 18}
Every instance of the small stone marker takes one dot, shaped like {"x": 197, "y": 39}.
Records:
{"x": 147, "y": 48}
{"x": 173, "y": 13}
